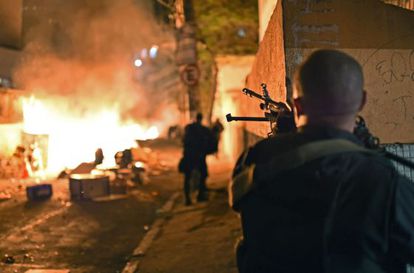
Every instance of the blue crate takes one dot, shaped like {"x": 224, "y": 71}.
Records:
{"x": 39, "y": 192}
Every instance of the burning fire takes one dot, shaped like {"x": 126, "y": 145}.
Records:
{"x": 73, "y": 139}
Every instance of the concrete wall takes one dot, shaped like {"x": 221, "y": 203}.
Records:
{"x": 379, "y": 36}
{"x": 11, "y": 106}
{"x": 8, "y": 60}
{"x": 269, "y": 68}
{"x": 11, "y": 118}
{"x": 232, "y": 72}
{"x": 11, "y": 137}
{"x": 10, "y": 35}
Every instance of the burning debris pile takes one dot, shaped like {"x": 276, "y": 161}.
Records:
{"x": 82, "y": 91}
{"x": 53, "y": 140}
{"x": 88, "y": 180}
{"x": 24, "y": 163}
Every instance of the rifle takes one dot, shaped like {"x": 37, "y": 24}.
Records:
{"x": 278, "y": 114}
{"x": 280, "y": 117}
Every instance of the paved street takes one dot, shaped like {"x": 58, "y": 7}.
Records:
{"x": 84, "y": 236}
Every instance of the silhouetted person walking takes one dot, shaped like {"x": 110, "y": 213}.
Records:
{"x": 197, "y": 142}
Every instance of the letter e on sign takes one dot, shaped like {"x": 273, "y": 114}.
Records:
{"x": 190, "y": 74}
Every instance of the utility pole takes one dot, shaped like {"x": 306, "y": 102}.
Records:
{"x": 179, "y": 14}
{"x": 187, "y": 53}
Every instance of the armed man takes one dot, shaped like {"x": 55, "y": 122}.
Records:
{"x": 316, "y": 200}
{"x": 197, "y": 143}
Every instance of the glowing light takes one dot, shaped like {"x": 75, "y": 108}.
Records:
{"x": 241, "y": 32}
{"x": 153, "y": 52}
{"x": 138, "y": 62}
{"x": 74, "y": 139}
{"x": 139, "y": 164}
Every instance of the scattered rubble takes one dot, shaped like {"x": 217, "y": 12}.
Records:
{"x": 4, "y": 195}
{"x": 7, "y": 259}
{"x": 28, "y": 258}
{"x": 24, "y": 162}
{"x": 39, "y": 192}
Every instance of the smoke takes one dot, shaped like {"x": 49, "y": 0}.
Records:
{"x": 80, "y": 54}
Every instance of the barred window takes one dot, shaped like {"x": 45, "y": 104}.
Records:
{"x": 406, "y": 151}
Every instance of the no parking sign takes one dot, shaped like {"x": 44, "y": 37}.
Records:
{"x": 190, "y": 74}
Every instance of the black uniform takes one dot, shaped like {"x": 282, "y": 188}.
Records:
{"x": 197, "y": 141}
{"x": 344, "y": 212}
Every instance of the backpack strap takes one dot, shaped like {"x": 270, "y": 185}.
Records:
{"x": 307, "y": 153}
{"x": 243, "y": 182}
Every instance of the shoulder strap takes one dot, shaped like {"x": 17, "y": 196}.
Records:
{"x": 242, "y": 183}
{"x": 309, "y": 152}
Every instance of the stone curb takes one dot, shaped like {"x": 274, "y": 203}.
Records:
{"x": 132, "y": 265}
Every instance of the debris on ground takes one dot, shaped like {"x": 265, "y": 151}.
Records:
{"x": 39, "y": 192}
{"x": 28, "y": 258}
{"x": 26, "y": 161}
{"x": 4, "y": 195}
{"x": 88, "y": 186}
{"x": 7, "y": 259}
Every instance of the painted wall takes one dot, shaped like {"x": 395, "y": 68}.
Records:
{"x": 379, "y": 36}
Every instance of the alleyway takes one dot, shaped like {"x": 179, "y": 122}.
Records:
{"x": 91, "y": 236}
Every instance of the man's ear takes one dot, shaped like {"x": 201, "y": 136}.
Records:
{"x": 298, "y": 106}
{"x": 364, "y": 100}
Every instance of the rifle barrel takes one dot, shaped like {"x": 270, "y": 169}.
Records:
{"x": 251, "y": 93}
{"x": 229, "y": 118}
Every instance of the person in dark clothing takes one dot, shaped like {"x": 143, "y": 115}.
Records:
{"x": 217, "y": 128}
{"x": 316, "y": 200}
{"x": 197, "y": 141}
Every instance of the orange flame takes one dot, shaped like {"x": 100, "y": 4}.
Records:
{"x": 73, "y": 140}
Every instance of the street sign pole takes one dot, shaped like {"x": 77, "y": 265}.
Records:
{"x": 187, "y": 56}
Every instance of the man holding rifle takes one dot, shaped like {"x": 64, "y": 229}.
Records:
{"x": 316, "y": 200}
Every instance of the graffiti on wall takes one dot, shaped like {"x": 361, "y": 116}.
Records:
{"x": 384, "y": 49}
{"x": 389, "y": 77}
{"x": 396, "y": 68}
{"x": 319, "y": 33}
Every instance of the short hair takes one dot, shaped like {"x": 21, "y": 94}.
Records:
{"x": 330, "y": 82}
{"x": 199, "y": 117}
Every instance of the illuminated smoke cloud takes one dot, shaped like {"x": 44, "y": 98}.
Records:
{"x": 80, "y": 54}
